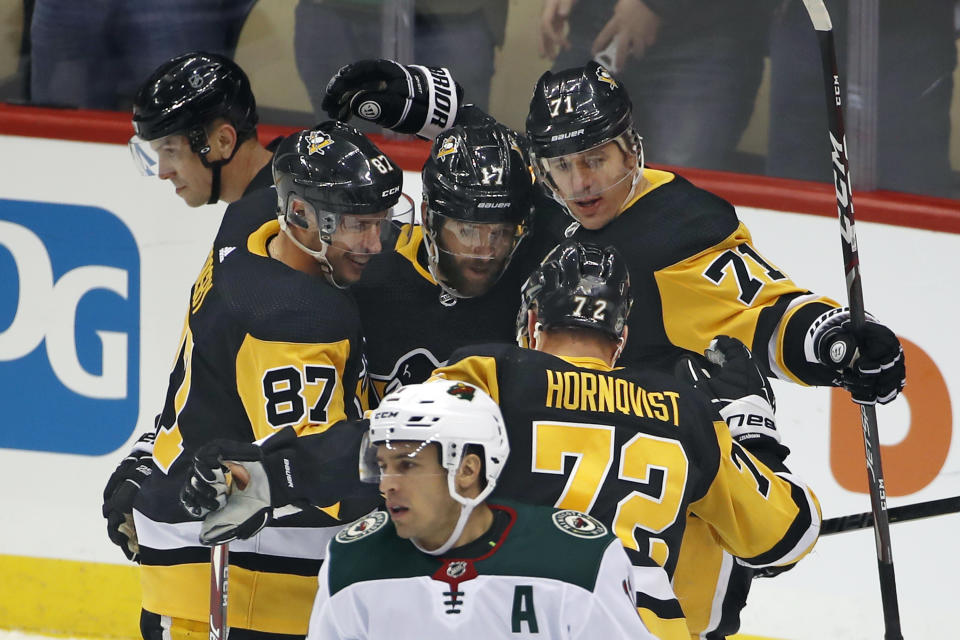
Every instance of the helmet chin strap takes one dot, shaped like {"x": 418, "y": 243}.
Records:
{"x": 319, "y": 256}
{"x": 215, "y": 182}
{"x": 202, "y": 148}
{"x": 467, "y": 506}
{"x": 537, "y": 327}
{"x": 433, "y": 262}
{"x": 465, "y": 511}
{"x": 621, "y": 343}
{"x": 638, "y": 171}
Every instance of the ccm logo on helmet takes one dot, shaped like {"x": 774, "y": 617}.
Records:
{"x": 385, "y": 414}
{"x": 564, "y": 136}
{"x": 390, "y": 192}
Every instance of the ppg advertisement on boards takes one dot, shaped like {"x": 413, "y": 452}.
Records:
{"x": 70, "y": 347}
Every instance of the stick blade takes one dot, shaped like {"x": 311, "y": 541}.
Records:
{"x": 819, "y": 15}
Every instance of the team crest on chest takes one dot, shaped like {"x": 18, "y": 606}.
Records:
{"x": 578, "y": 524}
{"x": 363, "y": 527}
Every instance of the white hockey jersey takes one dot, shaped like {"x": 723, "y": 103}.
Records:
{"x": 550, "y": 574}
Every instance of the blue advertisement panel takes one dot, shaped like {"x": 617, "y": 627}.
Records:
{"x": 69, "y": 328}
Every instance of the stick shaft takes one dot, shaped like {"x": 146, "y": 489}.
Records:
{"x": 905, "y": 513}
{"x": 219, "y": 565}
{"x": 851, "y": 261}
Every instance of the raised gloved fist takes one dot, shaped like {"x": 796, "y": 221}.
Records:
{"x": 736, "y": 387}
{"x": 121, "y": 491}
{"x": 869, "y": 362}
{"x": 404, "y": 98}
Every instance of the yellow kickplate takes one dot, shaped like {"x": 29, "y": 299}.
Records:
{"x": 69, "y": 598}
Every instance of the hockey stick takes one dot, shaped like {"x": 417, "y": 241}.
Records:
{"x": 868, "y": 414}
{"x": 907, "y": 512}
{"x": 219, "y": 564}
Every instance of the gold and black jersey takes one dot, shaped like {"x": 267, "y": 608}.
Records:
{"x": 637, "y": 449}
{"x": 695, "y": 274}
{"x": 264, "y": 347}
{"x": 411, "y": 326}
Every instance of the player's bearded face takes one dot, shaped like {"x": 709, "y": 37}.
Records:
{"x": 594, "y": 184}
{"x": 177, "y": 163}
{"x": 414, "y": 486}
{"x": 472, "y": 256}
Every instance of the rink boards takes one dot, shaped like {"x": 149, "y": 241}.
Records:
{"x": 95, "y": 268}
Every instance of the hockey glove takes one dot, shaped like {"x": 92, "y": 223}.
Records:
{"x": 738, "y": 390}
{"x": 404, "y": 98}
{"x": 233, "y": 509}
{"x": 869, "y": 362}
{"x": 121, "y": 490}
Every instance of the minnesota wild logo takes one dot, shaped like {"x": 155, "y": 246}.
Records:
{"x": 448, "y": 146}
{"x": 604, "y": 76}
{"x": 462, "y": 391}
{"x": 316, "y": 141}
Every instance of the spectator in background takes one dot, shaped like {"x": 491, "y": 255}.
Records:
{"x": 93, "y": 55}
{"x": 917, "y": 57}
{"x": 692, "y": 66}
{"x": 459, "y": 35}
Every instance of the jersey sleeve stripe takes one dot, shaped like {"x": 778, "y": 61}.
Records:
{"x": 802, "y": 534}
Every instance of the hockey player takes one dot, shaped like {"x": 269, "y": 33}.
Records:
{"x": 692, "y": 261}
{"x": 649, "y": 447}
{"x": 271, "y": 343}
{"x": 195, "y": 119}
{"x": 454, "y": 280}
{"x": 443, "y": 561}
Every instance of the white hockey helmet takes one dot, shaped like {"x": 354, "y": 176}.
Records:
{"x": 452, "y": 414}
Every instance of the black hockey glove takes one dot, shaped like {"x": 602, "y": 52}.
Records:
{"x": 121, "y": 490}
{"x": 232, "y": 509}
{"x": 404, "y": 98}
{"x": 738, "y": 390}
{"x": 869, "y": 363}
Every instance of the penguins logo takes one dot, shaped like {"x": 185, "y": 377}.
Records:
{"x": 447, "y": 147}
{"x": 316, "y": 141}
{"x": 604, "y": 76}
{"x": 462, "y": 391}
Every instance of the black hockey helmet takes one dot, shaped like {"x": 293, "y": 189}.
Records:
{"x": 578, "y": 284}
{"x": 479, "y": 173}
{"x": 477, "y": 176}
{"x": 183, "y": 96}
{"x": 338, "y": 171}
{"x": 577, "y": 109}
{"x": 186, "y": 93}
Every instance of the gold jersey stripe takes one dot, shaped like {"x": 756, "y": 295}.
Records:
{"x": 272, "y": 602}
